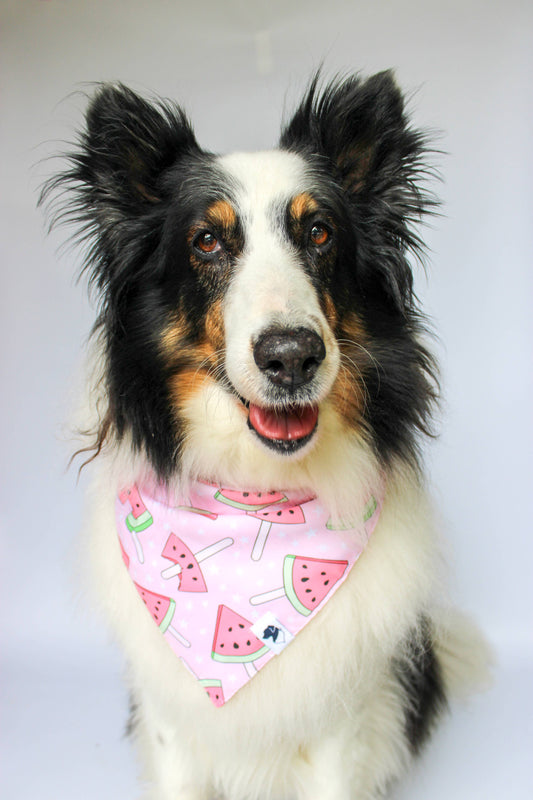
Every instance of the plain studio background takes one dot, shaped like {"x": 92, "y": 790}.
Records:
{"x": 235, "y": 66}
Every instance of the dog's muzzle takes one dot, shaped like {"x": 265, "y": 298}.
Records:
{"x": 289, "y": 359}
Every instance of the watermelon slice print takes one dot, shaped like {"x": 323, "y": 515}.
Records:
{"x": 186, "y": 563}
{"x": 162, "y": 610}
{"x": 138, "y": 519}
{"x": 234, "y": 642}
{"x": 249, "y": 501}
{"x": 214, "y": 690}
{"x": 282, "y": 516}
{"x": 306, "y": 582}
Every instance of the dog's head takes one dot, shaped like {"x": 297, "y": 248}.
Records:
{"x": 255, "y": 306}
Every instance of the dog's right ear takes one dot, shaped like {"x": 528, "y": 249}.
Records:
{"x": 128, "y": 145}
{"x": 114, "y": 188}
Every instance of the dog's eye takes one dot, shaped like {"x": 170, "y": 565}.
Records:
{"x": 207, "y": 243}
{"x": 319, "y": 235}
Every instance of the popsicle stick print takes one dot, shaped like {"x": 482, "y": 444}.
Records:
{"x": 186, "y": 563}
{"x": 266, "y": 597}
{"x": 177, "y": 635}
{"x": 250, "y": 668}
{"x": 293, "y": 515}
{"x": 261, "y": 539}
{"x": 138, "y": 546}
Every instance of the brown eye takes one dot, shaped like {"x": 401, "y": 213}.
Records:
{"x": 207, "y": 242}
{"x": 319, "y": 235}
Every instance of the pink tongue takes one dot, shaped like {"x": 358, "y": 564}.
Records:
{"x": 287, "y": 425}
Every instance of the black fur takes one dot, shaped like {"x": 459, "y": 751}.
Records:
{"x": 419, "y": 674}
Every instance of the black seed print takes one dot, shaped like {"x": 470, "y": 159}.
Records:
{"x": 230, "y": 629}
{"x": 190, "y": 566}
{"x": 241, "y": 625}
{"x": 326, "y": 583}
{"x": 248, "y": 643}
{"x": 235, "y": 645}
{"x": 304, "y": 580}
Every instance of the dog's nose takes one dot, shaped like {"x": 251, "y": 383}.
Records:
{"x": 289, "y": 357}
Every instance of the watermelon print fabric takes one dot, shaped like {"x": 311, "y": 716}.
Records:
{"x": 231, "y": 577}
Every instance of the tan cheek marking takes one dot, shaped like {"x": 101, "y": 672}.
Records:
{"x": 193, "y": 363}
{"x": 173, "y": 336}
{"x": 214, "y": 327}
{"x": 189, "y": 380}
{"x": 183, "y": 388}
{"x": 349, "y": 390}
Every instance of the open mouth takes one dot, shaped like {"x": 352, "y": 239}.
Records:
{"x": 284, "y": 430}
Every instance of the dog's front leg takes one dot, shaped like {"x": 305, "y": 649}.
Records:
{"x": 170, "y": 770}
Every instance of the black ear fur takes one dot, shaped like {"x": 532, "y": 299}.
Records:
{"x": 359, "y": 130}
{"x": 115, "y": 182}
{"x": 356, "y": 124}
{"x": 129, "y": 144}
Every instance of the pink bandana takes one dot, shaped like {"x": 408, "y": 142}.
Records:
{"x": 232, "y": 577}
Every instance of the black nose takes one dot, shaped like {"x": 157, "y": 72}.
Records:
{"x": 289, "y": 358}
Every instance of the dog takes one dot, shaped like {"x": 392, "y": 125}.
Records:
{"x": 258, "y": 532}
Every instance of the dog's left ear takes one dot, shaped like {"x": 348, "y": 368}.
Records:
{"x": 359, "y": 131}
{"x": 360, "y": 127}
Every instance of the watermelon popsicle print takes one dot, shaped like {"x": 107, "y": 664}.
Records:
{"x": 248, "y": 501}
{"x": 186, "y": 563}
{"x": 234, "y": 642}
{"x": 162, "y": 609}
{"x": 139, "y": 518}
{"x": 292, "y": 515}
{"x": 306, "y": 582}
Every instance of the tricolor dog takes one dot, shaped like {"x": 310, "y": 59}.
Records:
{"x": 258, "y": 529}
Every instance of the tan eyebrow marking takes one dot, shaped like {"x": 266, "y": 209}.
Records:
{"x": 301, "y": 205}
{"x": 222, "y": 214}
